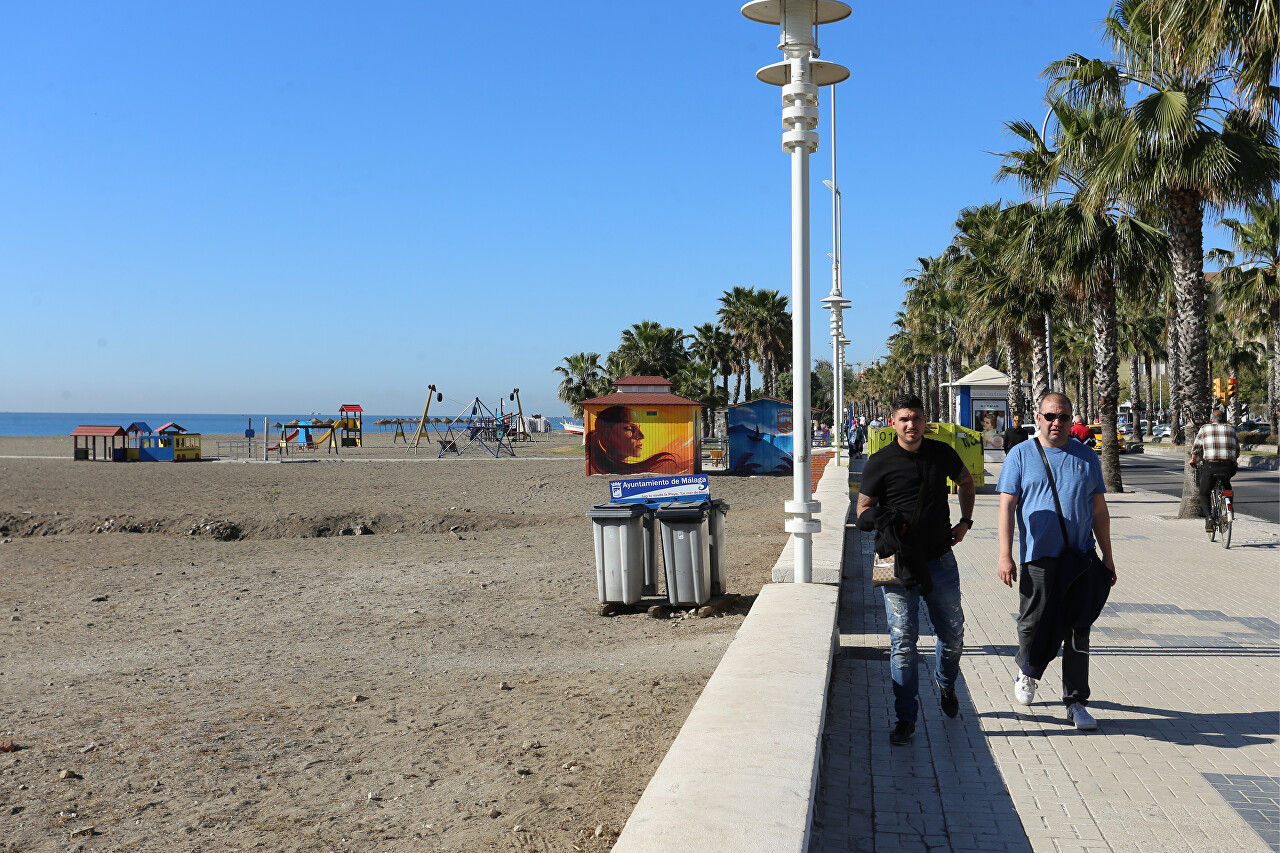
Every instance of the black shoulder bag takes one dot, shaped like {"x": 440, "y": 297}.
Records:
{"x": 1082, "y": 580}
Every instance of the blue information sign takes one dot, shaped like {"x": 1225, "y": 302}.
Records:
{"x": 654, "y": 490}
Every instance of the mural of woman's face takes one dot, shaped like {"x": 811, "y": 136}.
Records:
{"x": 621, "y": 440}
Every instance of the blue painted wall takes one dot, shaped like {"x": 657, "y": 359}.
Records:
{"x": 758, "y": 443}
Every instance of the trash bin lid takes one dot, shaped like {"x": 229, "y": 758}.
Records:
{"x": 684, "y": 510}
{"x": 720, "y": 504}
{"x": 612, "y": 510}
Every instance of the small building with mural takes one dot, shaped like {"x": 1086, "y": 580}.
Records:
{"x": 169, "y": 443}
{"x": 642, "y": 428}
{"x": 761, "y": 436}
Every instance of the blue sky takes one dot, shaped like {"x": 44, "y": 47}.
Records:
{"x": 235, "y": 207}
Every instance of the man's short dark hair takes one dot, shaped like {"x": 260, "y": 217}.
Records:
{"x": 906, "y": 401}
{"x": 1057, "y": 397}
{"x": 1219, "y": 416}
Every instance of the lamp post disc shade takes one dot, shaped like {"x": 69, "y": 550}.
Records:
{"x": 770, "y": 11}
{"x": 823, "y": 73}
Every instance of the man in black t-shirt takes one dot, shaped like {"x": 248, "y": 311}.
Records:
{"x": 892, "y": 479}
{"x": 1014, "y": 435}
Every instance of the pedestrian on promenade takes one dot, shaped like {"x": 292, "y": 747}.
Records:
{"x": 1027, "y": 491}
{"x": 1079, "y": 431}
{"x": 904, "y": 498}
{"x": 1219, "y": 447}
{"x": 1014, "y": 435}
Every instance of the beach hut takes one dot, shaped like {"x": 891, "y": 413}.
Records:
{"x": 761, "y": 435}
{"x": 642, "y": 428}
{"x": 84, "y": 440}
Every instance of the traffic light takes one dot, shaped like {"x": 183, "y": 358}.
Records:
{"x": 1217, "y": 390}
{"x": 1231, "y": 388}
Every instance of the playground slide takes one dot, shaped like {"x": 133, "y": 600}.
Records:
{"x": 290, "y": 437}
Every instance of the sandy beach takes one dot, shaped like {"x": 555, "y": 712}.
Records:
{"x": 380, "y": 651}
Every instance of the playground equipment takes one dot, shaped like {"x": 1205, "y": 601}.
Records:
{"x": 522, "y": 432}
{"x": 351, "y": 422}
{"x": 422, "y": 422}
{"x": 476, "y": 430}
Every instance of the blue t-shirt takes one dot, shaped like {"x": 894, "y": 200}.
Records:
{"x": 1077, "y": 472}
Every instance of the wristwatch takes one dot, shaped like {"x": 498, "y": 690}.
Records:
{"x": 968, "y": 521}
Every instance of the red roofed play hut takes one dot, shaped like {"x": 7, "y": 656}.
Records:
{"x": 351, "y": 422}
{"x": 642, "y": 428}
{"x": 85, "y": 441}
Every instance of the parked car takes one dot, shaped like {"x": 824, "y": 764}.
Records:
{"x": 1096, "y": 429}
{"x": 1254, "y": 426}
{"x": 1163, "y": 430}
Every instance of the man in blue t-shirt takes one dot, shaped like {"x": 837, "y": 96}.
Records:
{"x": 1025, "y": 491}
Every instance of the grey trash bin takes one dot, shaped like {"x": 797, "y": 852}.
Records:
{"x": 652, "y": 543}
{"x": 619, "y": 539}
{"x": 686, "y": 551}
{"x": 718, "y": 510}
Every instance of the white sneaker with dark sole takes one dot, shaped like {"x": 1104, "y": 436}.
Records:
{"x": 1080, "y": 715}
{"x": 1024, "y": 689}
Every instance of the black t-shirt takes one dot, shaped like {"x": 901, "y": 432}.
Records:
{"x": 892, "y": 475}
{"x": 1012, "y": 436}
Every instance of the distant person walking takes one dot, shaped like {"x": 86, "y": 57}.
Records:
{"x": 858, "y": 440}
{"x": 1081, "y": 432}
{"x": 904, "y": 499}
{"x": 1014, "y": 435}
{"x": 1047, "y": 614}
{"x": 1219, "y": 447}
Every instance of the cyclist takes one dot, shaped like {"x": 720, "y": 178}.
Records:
{"x": 1217, "y": 446}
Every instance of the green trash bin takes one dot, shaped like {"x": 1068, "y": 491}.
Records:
{"x": 620, "y": 560}
{"x": 686, "y": 551}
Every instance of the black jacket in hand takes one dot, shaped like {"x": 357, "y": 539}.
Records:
{"x": 893, "y": 537}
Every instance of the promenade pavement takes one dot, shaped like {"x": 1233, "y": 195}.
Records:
{"x": 1185, "y": 674}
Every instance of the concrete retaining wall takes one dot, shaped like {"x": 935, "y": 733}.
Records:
{"x": 743, "y": 772}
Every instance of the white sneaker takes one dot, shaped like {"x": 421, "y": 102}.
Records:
{"x": 1024, "y": 689}
{"x": 1080, "y": 715}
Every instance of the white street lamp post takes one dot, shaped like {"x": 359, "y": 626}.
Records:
{"x": 800, "y": 75}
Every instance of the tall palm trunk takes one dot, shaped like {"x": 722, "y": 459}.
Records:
{"x": 935, "y": 389}
{"x": 1273, "y": 384}
{"x": 1173, "y": 368}
{"x": 1233, "y": 403}
{"x": 744, "y": 365}
{"x": 1107, "y": 381}
{"x": 1039, "y": 359}
{"x": 1014, "y": 397}
{"x": 1186, "y": 251}
{"x": 993, "y": 357}
{"x": 1151, "y": 398}
{"x": 953, "y": 373}
{"x": 1081, "y": 406}
{"x": 1135, "y": 382}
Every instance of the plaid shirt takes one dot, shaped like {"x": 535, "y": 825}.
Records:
{"x": 1217, "y": 443}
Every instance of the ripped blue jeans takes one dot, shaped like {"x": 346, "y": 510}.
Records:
{"x": 902, "y": 607}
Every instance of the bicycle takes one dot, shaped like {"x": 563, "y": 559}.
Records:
{"x": 1221, "y": 511}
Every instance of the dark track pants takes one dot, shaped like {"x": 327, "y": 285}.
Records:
{"x": 1075, "y": 649}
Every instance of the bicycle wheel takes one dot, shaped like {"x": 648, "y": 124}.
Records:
{"x": 1211, "y": 515}
{"x": 1224, "y": 517}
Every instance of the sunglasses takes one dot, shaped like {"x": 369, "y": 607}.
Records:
{"x": 1050, "y": 417}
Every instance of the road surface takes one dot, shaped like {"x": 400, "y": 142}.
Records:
{"x": 1257, "y": 492}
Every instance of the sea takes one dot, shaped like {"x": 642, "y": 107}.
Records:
{"x": 62, "y": 423}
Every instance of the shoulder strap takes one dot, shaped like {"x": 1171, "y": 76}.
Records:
{"x": 1054, "y": 488}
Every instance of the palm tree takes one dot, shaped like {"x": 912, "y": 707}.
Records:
{"x": 1250, "y": 289}
{"x": 771, "y": 334}
{"x": 736, "y": 318}
{"x": 581, "y": 381}
{"x": 697, "y": 381}
{"x": 1185, "y": 147}
{"x": 930, "y": 308}
{"x": 711, "y": 345}
{"x": 652, "y": 349}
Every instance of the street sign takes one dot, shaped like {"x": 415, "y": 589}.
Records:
{"x": 653, "y": 490}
